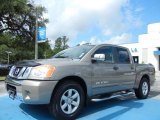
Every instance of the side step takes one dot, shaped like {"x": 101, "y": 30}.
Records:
{"x": 111, "y": 97}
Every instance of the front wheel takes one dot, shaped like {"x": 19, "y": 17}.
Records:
{"x": 67, "y": 101}
{"x": 144, "y": 88}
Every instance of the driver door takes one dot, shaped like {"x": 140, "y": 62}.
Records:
{"x": 104, "y": 70}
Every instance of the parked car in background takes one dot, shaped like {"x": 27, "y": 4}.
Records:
{"x": 73, "y": 76}
{"x": 4, "y": 69}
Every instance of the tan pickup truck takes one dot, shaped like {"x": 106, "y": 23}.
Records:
{"x": 71, "y": 78}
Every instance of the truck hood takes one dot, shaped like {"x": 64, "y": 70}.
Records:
{"x": 53, "y": 61}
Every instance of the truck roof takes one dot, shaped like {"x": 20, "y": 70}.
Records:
{"x": 105, "y": 45}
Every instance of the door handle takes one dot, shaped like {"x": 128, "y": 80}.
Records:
{"x": 115, "y": 68}
{"x": 132, "y": 67}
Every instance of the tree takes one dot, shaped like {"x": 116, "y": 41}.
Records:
{"x": 13, "y": 14}
{"x": 64, "y": 42}
{"x": 19, "y": 50}
{"x": 18, "y": 17}
{"x": 17, "y": 28}
{"x": 45, "y": 50}
{"x": 60, "y": 44}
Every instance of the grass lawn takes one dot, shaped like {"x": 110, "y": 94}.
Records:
{"x": 2, "y": 78}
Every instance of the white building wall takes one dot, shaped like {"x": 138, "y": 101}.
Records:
{"x": 154, "y": 28}
{"x": 150, "y": 41}
{"x": 132, "y": 48}
{"x": 153, "y": 59}
{"x": 147, "y": 44}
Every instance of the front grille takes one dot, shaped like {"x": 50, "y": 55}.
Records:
{"x": 16, "y": 71}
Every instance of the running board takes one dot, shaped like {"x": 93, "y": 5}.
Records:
{"x": 111, "y": 97}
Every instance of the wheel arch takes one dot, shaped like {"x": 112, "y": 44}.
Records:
{"x": 138, "y": 80}
{"x": 76, "y": 79}
{"x": 146, "y": 76}
{"x": 139, "y": 92}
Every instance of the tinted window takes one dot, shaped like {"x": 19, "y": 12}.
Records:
{"x": 108, "y": 52}
{"x": 123, "y": 56}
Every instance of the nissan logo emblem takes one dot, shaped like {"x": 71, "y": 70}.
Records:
{"x": 16, "y": 71}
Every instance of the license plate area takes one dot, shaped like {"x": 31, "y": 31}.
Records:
{"x": 11, "y": 91}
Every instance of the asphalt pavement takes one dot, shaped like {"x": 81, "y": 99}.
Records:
{"x": 2, "y": 88}
{"x": 155, "y": 89}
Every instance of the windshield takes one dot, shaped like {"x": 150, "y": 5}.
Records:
{"x": 74, "y": 53}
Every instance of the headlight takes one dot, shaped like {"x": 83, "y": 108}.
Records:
{"x": 41, "y": 72}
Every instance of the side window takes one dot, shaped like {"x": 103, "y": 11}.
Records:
{"x": 123, "y": 56}
{"x": 107, "y": 52}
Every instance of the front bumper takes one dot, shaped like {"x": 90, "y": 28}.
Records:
{"x": 31, "y": 91}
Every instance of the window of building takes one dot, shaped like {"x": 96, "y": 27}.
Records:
{"x": 145, "y": 55}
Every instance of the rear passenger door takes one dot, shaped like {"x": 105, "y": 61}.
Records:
{"x": 125, "y": 68}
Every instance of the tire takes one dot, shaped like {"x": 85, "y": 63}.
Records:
{"x": 67, "y": 101}
{"x": 144, "y": 88}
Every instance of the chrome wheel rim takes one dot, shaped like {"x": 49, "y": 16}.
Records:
{"x": 145, "y": 88}
{"x": 70, "y": 101}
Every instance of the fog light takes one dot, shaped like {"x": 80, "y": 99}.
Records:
{"x": 27, "y": 97}
{"x": 27, "y": 93}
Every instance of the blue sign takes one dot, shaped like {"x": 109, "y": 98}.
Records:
{"x": 157, "y": 52}
{"x": 41, "y": 34}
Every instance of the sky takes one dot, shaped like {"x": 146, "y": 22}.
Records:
{"x": 99, "y": 21}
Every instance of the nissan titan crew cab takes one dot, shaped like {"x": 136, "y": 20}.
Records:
{"x": 74, "y": 76}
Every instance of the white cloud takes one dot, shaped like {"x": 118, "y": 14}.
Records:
{"x": 120, "y": 39}
{"x": 71, "y": 17}
{"x": 94, "y": 40}
{"x": 131, "y": 19}
{"x": 139, "y": 9}
{"x": 83, "y": 42}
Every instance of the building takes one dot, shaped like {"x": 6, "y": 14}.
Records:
{"x": 147, "y": 50}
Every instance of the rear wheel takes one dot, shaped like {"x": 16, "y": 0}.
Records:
{"x": 144, "y": 88}
{"x": 67, "y": 101}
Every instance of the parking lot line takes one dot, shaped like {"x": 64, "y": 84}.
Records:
{"x": 115, "y": 109}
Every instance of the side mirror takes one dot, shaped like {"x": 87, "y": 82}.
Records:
{"x": 98, "y": 57}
